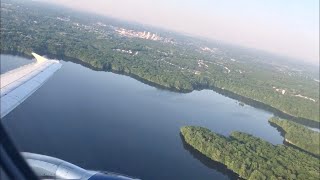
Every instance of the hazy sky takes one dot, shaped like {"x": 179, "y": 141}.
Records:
{"x": 287, "y": 27}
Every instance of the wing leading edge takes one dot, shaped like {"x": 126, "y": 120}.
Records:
{"x": 18, "y": 84}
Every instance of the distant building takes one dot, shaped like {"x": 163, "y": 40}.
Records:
{"x": 148, "y": 35}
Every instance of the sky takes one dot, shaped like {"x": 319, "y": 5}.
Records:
{"x": 285, "y": 27}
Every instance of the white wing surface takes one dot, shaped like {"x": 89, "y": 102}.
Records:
{"x": 20, "y": 83}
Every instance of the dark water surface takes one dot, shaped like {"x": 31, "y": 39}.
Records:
{"x": 105, "y": 121}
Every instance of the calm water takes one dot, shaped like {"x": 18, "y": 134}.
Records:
{"x": 105, "y": 121}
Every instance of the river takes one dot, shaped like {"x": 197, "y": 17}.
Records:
{"x": 105, "y": 121}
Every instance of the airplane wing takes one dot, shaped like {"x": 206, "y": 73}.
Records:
{"x": 18, "y": 84}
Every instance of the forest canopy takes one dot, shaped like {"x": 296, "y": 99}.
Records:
{"x": 298, "y": 135}
{"x": 174, "y": 61}
{"x": 251, "y": 157}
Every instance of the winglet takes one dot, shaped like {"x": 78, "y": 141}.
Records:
{"x": 39, "y": 58}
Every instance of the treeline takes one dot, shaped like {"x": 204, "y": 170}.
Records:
{"x": 298, "y": 135}
{"x": 172, "y": 66}
{"x": 251, "y": 157}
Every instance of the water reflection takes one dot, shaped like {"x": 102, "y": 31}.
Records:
{"x": 79, "y": 106}
{"x": 242, "y": 100}
{"x": 207, "y": 161}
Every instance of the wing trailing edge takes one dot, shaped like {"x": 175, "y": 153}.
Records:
{"x": 20, "y": 83}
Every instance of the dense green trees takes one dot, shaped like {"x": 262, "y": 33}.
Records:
{"x": 299, "y": 135}
{"x": 173, "y": 66}
{"x": 251, "y": 157}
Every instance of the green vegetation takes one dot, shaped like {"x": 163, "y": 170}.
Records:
{"x": 299, "y": 135}
{"x": 180, "y": 63}
{"x": 251, "y": 157}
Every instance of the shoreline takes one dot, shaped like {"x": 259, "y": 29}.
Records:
{"x": 288, "y": 142}
{"x": 246, "y": 100}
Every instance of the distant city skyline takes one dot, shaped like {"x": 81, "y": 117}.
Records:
{"x": 286, "y": 27}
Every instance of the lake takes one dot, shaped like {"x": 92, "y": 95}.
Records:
{"x": 105, "y": 121}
